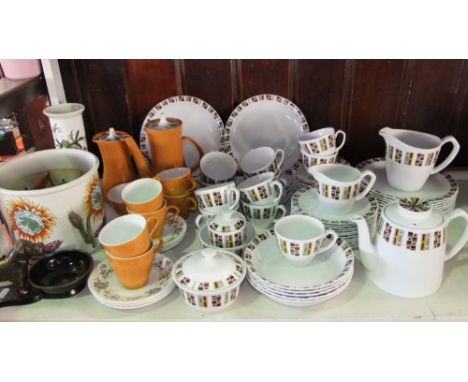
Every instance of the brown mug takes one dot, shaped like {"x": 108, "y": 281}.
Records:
{"x": 185, "y": 203}
{"x": 176, "y": 181}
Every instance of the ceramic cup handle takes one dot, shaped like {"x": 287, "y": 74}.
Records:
{"x": 279, "y": 158}
{"x": 174, "y": 212}
{"x": 152, "y": 222}
{"x": 457, "y": 247}
{"x": 159, "y": 245}
{"x": 283, "y": 212}
{"x": 199, "y": 149}
{"x": 452, "y": 155}
{"x": 193, "y": 203}
{"x": 370, "y": 183}
{"x": 276, "y": 184}
{"x": 233, "y": 198}
{"x": 343, "y": 134}
{"x": 333, "y": 235}
{"x": 200, "y": 220}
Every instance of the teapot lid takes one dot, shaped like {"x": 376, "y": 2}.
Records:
{"x": 110, "y": 135}
{"x": 227, "y": 221}
{"x": 413, "y": 213}
{"x": 209, "y": 269}
{"x": 163, "y": 123}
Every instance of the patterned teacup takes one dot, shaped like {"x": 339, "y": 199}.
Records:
{"x": 321, "y": 141}
{"x": 309, "y": 160}
{"x": 300, "y": 238}
{"x": 263, "y": 216}
{"x": 217, "y": 198}
{"x": 261, "y": 189}
{"x": 262, "y": 159}
{"x": 226, "y": 230}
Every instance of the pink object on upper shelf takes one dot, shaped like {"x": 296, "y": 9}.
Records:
{"x": 20, "y": 69}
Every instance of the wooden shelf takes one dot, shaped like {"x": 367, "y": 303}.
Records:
{"x": 15, "y": 94}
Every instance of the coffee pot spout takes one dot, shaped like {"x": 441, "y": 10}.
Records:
{"x": 367, "y": 249}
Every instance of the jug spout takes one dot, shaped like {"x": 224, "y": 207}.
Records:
{"x": 142, "y": 166}
{"x": 367, "y": 249}
{"x": 386, "y": 132}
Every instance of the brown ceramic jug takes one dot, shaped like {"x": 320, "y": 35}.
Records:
{"x": 166, "y": 142}
{"x": 120, "y": 154}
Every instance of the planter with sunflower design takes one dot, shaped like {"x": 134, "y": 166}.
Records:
{"x": 67, "y": 206}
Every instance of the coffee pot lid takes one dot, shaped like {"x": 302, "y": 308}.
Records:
{"x": 209, "y": 269}
{"x": 413, "y": 213}
{"x": 228, "y": 221}
{"x": 110, "y": 135}
{"x": 163, "y": 123}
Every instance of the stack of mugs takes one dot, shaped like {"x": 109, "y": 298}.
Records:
{"x": 145, "y": 197}
{"x": 130, "y": 249}
{"x": 320, "y": 146}
{"x": 178, "y": 188}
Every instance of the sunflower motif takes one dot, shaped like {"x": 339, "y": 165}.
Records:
{"x": 93, "y": 199}
{"x": 30, "y": 220}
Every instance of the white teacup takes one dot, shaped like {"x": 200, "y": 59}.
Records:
{"x": 261, "y": 189}
{"x": 217, "y": 198}
{"x": 218, "y": 167}
{"x": 263, "y": 216}
{"x": 321, "y": 141}
{"x": 226, "y": 230}
{"x": 262, "y": 159}
{"x": 300, "y": 238}
{"x": 309, "y": 160}
{"x": 339, "y": 186}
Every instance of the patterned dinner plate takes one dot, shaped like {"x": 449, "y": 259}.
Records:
{"x": 173, "y": 233}
{"x": 266, "y": 120}
{"x": 105, "y": 287}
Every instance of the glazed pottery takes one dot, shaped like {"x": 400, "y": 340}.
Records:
{"x": 115, "y": 198}
{"x": 217, "y": 198}
{"x": 407, "y": 255}
{"x": 263, "y": 216}
{"x": 262, "y": 159}
{"x": 266, "y": 120}
{"x": 62, "y": 274}
{"x": 339, "y": 186}
{"x": 122, "y": 160}
{"x": 133, "y": 272}
{"x": 143, "y": 195}
{"x": 218, "y": 167}
{"x": 66, "y": 121}
{"x": 128, "y": 235}
{"x": 162, "y": 215}
{"x": 209, "y": 279}
{"x": 176, "y": 181}
{"x": 300, "y": 238}
{"x": 185, "y": 203}
{"x": 226, "y": 230}
{"x": 261, "y": 189}
{"x": 173, "y": 233}
{"x": 321, "y": 141}
{"x": 166, "y": 141}
{"x": 411, "y": 157}
{"x": 69, "y": 213}
{"x": 309, "y": 160}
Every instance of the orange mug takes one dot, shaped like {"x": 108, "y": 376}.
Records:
{"x": 128, "y": 235}
{"x": 134, "y": 272}
{"x": 176, "y": 181}
{"x": 166, "y": 142}
{"x": 143, "y": 195}
{"x": 164, "y": 214}
{"x": 185, "y": 203}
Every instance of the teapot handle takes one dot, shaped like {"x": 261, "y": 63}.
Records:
{"x": 457, "y": 247}
{"x": 199, "y": 149}
{"x": 452, "y": 155}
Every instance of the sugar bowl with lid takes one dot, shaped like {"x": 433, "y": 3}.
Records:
{"x": 209, "y": 279}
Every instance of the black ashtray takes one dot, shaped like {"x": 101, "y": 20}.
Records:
{"x": 63, "y": 274}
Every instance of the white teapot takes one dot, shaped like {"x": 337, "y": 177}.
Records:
{"x": 407, "y": 256}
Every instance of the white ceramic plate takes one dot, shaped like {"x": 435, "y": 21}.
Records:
{"x": 266, "y": 120}
{"x": 264, "y": 259}
{"x": 173, "y": 233}
{"x": 105, "y": 287}
{"x": 200, "y": 122}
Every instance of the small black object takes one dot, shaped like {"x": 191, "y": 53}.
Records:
{"x": 63, "y": 274}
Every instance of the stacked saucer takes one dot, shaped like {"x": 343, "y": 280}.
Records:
{"x": 305, "y": 201}
{"x": 440, "y": 190}
{"x": 173, "y": 233}
{"x": 303, "y": 178}
{"x": 272, "y": 275}
{"x": 107, "y": 290}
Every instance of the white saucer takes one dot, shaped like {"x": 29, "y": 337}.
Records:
{"x": 173, "y": 233}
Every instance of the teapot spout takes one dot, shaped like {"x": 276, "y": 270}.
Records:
{"x": 367, "y": 249}
{"x": 140, "y": 162}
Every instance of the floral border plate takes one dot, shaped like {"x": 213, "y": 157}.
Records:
{"x": 173, "y": 233}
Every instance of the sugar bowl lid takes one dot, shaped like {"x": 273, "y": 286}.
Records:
{"x": 228, "y": 221}
{"x": 208, "y": 270}
{"x": 413, "y": 213}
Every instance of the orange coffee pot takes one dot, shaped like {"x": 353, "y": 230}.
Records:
{"x": 166, "y": 142}
{"x": 120, "y": 154}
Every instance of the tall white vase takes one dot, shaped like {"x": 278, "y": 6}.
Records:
{"x": 66, "y": 120}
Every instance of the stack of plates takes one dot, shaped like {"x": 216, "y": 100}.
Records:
{"x": 107, "y": 290}
{"x": 303, "y": 178}
{"x": 173, "y": 233}
{"x": 440, "y": 190}
{"x": 272, "y": 275}
{"x": 305, "y": 201}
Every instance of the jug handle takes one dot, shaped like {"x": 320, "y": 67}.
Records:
{"x": 199, "y": 149}
{"x": 452, "y": 155}
{"x": 371, "y": 182}
{"x": 457, "y": 247}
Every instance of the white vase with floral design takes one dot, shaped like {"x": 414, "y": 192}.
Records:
{"x": 66, "y": 121}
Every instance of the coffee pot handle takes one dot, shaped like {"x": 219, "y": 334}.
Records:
{"x": 340, "y": 132}
{"x": 452, "y": 155}
{"x": 199, "y": 149}
{"x": 457, "y": 247}
{"x": 371, "y": 182}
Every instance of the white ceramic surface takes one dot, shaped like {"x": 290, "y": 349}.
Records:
{"x": 261, "y": 189}
{"x": 265, "y": 215}
{"x": 262, "y": 159}
{"x": 217, "y": 198}
{"x": 322, "y": 141}
{"x": 218, "y": 167}
{"x": 174, "y": 232}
